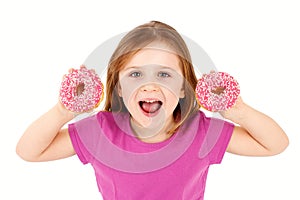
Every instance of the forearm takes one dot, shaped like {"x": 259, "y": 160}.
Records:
{"x": 39, "y": 135}
{"x": 263, "y": 129}
{"x": 260, "y": 127}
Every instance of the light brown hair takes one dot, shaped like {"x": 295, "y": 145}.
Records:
{"x": 134, "y": 41}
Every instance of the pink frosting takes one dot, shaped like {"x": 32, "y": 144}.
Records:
{"x": 217, "y": 91}
{"x": 88, "y": 98}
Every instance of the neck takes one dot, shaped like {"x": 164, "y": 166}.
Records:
{"x": 152, "y": 134}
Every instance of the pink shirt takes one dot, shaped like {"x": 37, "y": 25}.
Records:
{"x": 129, "y": 169}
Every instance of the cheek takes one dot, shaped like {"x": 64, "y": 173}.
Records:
{"x": 171, "y": 98}
{"x": 175, "y": 87}
{"x": 127, "y": 91}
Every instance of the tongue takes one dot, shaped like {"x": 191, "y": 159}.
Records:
{"x": 150, "y": 107}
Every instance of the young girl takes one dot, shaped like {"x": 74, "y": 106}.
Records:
{"x": 151, "y": 141}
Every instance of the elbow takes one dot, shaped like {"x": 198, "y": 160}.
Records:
{"x": 284, "y": 144}
{"x": 280, "y": 147}
{"x": 20, "y": 153}
{"x": 24, "y": 155}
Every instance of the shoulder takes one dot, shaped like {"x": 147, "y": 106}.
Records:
{"x": 84, "y": 123}
{"x": 215, "y": 121}
{"x": 105, "y": 122}
{"x": 216, "y": 133}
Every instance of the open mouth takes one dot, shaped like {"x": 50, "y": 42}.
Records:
{"x": 150, "y": 106}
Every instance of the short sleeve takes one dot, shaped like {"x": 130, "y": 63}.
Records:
{"x": 217, "y": 136}
{"x": 82, "y": 153}
{"x": 217, "y": 153}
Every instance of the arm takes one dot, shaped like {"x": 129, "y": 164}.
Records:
{"x": 257, "y": 135}
{"x": 45, "y": 139}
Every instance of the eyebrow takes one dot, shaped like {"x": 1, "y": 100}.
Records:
{"x": 166, "y": 67}
{"x": 129, "y": 69}
{"x": 138, "y": 67}
{"x": 132, "y": 67}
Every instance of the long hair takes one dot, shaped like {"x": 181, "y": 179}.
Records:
{"x": 132, "y": 43}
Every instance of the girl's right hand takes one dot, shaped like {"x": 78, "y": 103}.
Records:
{"x": 65, "y": 112}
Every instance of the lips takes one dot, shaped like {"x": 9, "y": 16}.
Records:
{"x": 150, "y": 106}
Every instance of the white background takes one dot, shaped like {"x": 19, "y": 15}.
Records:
{"x": 255, "y": 41}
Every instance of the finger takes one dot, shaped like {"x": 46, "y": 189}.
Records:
{"x": 82, "y": 66}
{"x": 210, "y": 72}
{"x": 71, "y": 70}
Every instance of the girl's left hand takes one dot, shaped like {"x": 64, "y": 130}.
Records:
{"x": 235, "y": 113}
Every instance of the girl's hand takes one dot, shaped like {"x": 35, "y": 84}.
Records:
{"x": 236, "y": 112}
{"x": 65, "y": 112}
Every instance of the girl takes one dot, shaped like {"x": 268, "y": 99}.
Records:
{"x": 151, "y": 141}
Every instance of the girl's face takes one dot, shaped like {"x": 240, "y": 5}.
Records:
{"x": 151, "y": 84}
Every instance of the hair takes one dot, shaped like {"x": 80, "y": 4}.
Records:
{"x": 133, "y": 42}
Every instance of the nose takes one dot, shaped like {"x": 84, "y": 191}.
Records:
{"x": 150, "y": 87}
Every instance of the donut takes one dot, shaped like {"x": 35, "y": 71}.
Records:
{"x": 217, "y": 91}
{"x": 81, "y": 90}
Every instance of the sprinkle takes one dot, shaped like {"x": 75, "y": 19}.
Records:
{"x": 91, "y": 94}
{"x": 217, "y": 91}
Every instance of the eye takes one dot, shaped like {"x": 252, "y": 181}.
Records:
{"x": 135, "y": 74}
{"x": 163, "y": 74}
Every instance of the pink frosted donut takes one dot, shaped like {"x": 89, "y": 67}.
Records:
{"x": 217, "y": 91}
{"x": 81, "y": 90}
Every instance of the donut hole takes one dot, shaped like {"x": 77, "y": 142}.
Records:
{"x": 79, "y": 89}
{"x": 218, "y": 90}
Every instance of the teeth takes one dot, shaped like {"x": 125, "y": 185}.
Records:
{"x": 150, "y": 101}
